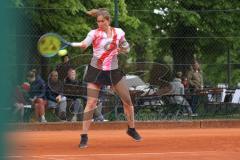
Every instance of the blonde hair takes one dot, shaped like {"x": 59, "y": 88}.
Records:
{"x": 100, "y": 12}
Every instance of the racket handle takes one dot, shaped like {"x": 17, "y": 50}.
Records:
{"x": 76, "y": 44}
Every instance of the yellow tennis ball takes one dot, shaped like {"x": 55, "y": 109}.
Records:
{"x": 62, "y": 52}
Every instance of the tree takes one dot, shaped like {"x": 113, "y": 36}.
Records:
{"x": 191, "y": 29}
{"x": 173, "y": 32}
{"x": 67, "y": 18}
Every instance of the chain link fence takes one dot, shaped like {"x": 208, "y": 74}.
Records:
{"x": 154, "y": 58}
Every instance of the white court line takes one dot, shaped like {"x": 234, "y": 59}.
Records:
{"x": 128, "y": 154}
{"x": 123, "y": 154}
{"x": 39, "y": 157}
{"x": 15, "y": 156}
{"x": 50, "y": 158}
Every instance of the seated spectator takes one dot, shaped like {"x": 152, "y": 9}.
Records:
{"x": 37, "y": 94}
{"x": 76, "y": 102}
{"x": 185, "y": 83}
{"x": 54, "y": 95}
{"x": 178, "y": 92}
{"x": 21, "y": 99}
{"x": 63, "y": 67}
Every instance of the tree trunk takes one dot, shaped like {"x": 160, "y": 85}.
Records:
{"x": 183, "y": 47}
{"x": 140, "y": 51}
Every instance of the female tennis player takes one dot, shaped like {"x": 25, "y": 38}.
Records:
{"x": 103, "y": 69}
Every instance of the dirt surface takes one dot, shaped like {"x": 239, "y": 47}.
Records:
{"x": 157, "y": 144}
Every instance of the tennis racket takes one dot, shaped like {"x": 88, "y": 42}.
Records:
{"x": 50, "y": 43}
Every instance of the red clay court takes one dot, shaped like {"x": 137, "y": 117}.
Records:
{"x": 197, "y": 140}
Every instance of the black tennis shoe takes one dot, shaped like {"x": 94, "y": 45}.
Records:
{"x": 84, "y": 140}
{"x": 134, "y": 134}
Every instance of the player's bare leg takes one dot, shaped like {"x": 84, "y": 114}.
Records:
{"x": 122, "y": 90}
{"x": 92, "y": 92}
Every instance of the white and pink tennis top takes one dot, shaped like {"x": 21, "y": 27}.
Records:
{"x": 105, "y": 48}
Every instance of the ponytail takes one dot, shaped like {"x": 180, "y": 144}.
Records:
{"x": 100, "y": 12}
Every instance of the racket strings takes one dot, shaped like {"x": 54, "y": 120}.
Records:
{"x": 49, "y": 45}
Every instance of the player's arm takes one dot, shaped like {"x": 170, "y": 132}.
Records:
{"x": 123, "y": 46}
{"x": 79, "y": 44}
{"x": 86, "y": 42}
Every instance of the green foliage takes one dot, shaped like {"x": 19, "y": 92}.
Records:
{"x": 157, "y": 30}
{"x": 212, "y": 24}
{"x": 68, "y": 17}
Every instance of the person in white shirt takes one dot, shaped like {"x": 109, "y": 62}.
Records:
{"x": 107, "y": 43}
